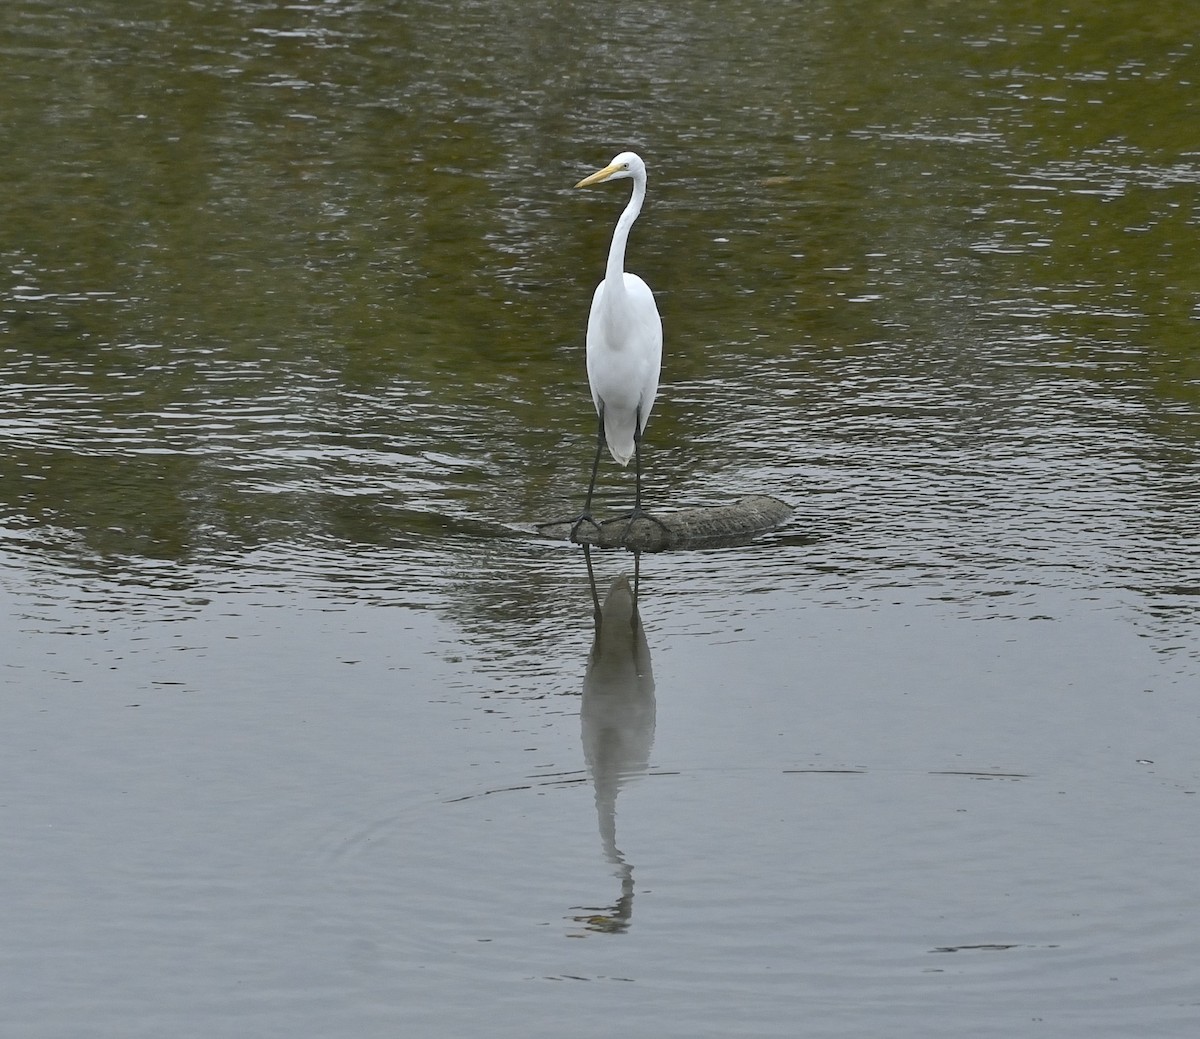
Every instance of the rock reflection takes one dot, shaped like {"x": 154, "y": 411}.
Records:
{"x": 617, "y": 722}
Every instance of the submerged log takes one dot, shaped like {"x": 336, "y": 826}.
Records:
{"x": 703, "y": 527}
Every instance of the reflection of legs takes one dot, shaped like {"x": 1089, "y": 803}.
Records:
{"x": 597, "y": 612}
{"x": 637, "y": 576}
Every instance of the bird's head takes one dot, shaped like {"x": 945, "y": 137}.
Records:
{"x": 626, "y": 165}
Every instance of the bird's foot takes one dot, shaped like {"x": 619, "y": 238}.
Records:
{"x": 635, "y": 514}
{"x": 574, "y": 522}
{"x": 579, "y": 521}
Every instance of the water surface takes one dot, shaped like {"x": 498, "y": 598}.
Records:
{"x": 305, "y": 733}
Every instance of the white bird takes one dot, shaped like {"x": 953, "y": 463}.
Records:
{"x": 624, "y": 340}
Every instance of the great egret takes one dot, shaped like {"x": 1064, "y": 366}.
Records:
{"x": 624, "y": 342}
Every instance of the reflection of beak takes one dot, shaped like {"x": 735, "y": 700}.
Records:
{"x": 600, "y": 176}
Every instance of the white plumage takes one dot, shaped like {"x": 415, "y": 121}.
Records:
{"x": 624, "y": 334}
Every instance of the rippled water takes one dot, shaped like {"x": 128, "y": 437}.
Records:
{"x": 305, "y": 732}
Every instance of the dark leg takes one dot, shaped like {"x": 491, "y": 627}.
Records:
{"x": 638, "y": 512}
{"x": 587, "y": 505}
{"x": 586, "y": 515}
{"x": 637, "y": 459}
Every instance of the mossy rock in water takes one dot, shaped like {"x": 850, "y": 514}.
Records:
{"x": 702, "y": 527}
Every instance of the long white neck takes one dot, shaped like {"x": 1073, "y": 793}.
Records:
{"x": 614, "y": 273}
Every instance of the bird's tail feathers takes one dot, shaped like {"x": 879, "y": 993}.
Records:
{"x": 620, "y": 441}
{"x": 622, "y": 455}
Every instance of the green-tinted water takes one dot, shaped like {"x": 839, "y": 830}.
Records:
{"x": 253, "y": 252}
{"x": 292, "y": 300}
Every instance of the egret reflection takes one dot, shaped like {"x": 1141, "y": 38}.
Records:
{"x": 617, "y": 723}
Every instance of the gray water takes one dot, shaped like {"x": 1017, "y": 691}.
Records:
{"x": 305, "y": 733}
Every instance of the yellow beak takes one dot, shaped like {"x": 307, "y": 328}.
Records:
{"x": 599, "y": 176}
